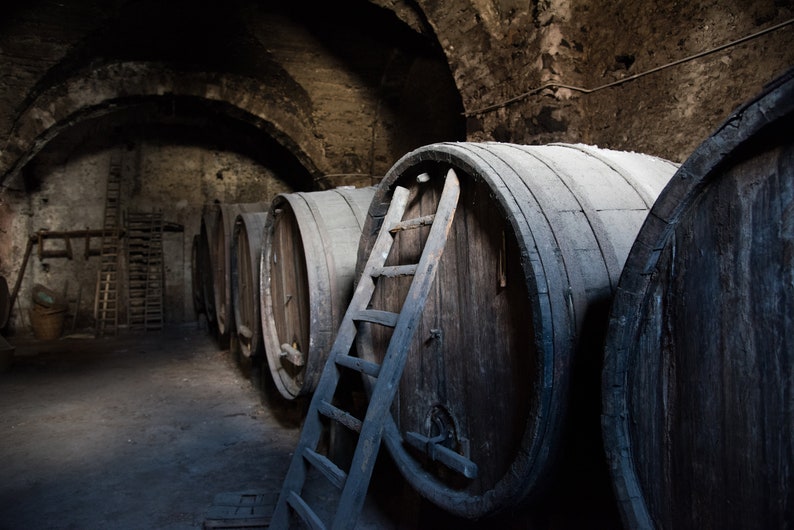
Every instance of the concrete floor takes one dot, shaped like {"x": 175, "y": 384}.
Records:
{"x": 133, "y": 432}
{"x": 139, "y": 431}
{"x": 144, "y": 431}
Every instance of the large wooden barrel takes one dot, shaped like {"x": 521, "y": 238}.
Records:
{"x": 222, "y": 255}
{"x": 246, "y": 255}
{"x": 209, "y": 219}
{"x": 307, "y": 274}
{"x": 698, "y": 381}
{"x": 535, "y": 250}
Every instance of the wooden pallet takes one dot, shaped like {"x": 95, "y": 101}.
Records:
{"x": 242, "y": 509}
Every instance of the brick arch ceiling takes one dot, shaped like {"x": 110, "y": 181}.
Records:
{"x": 91, "y": 93}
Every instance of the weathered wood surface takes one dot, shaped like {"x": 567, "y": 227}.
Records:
{"x": 699, "y": 364}
{"x": 307, "y": 274}
{"x": 195, "y": 276}
{"x": 222, "y": 255}
{"x": 209, "y": 219}
{"x": 327, "y": 385}
{"x": 245, "y": 258}
{"x": 240, "y": 510}
{"x": 538, "y": 242}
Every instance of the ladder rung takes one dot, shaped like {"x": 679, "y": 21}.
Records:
{"x": 331, "y": 471}
{"x": 410, "y": 224}
{"x": 360, "y": 365}
{"x": 376, "y": 316}
{"x": 305, "y": 512}
{"x": 339, "y": 415}
{"x": 393, "y": 271}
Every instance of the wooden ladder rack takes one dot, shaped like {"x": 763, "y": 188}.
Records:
{"x": 145, "y": 271}
{"x": 106, "y": 301}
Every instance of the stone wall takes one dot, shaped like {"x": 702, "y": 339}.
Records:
{"x": 503, "y": 53}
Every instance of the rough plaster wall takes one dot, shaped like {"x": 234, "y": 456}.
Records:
{"x": 67, "y": 192}
{"x": 670, "y": 113}
{"x": 34, "y": 40}
{"x": 363, "y": 90}
{"x": 54, "y": 202}
{"x": 501, "y": 52}
{"x": 496, "y": 50}
{"x": 344, "y": 107}
{"x": 348, "y": 71}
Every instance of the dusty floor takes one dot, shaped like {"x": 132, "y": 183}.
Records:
{"x": 133, "y": 432}
{"x": 141, "y": 431}
{"x": 144, "y": 431}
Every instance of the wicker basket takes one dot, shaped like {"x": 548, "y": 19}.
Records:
{"x": 47, "y": 322}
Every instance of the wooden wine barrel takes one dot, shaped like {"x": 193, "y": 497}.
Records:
{"x": 221, "y": 261}
{"x": 307, "y": 273}
{"x": 209, "y": 219}
{"x": 535, "y": 250}
{"x": 698, "y": 420}
{"x": 246, "y": 255}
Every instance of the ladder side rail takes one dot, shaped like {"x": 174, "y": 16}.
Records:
{"x": 385, "y": 388}
{"x": 312, "y": 427}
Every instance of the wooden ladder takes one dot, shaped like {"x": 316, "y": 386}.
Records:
{"x": 106, "y": 301}
{"x": 155, "y": 276}
{"x": 145, "y": 271}
{"x": 354, "y": 483}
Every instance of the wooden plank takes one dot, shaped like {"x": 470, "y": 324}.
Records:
{"x": 330, "y": 470}
{"x": 338, "y": 415}
{"x": 360, "y": 365}
{"x": 305, "y": 512}
{"x": 393, "y": 271}
{"x": 410, "y": 224}
{"x": 376, "y": 316}
{"x": 437, "y": 452}
{"x": 240, "y": 510}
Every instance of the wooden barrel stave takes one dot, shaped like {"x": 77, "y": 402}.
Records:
{"x": 307, "y": 274}
{"x": 206, "y": 258}
{"x": 551, "y": 241}
{"x": 699, "y": 352}
{"x": 245, "y": 257}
